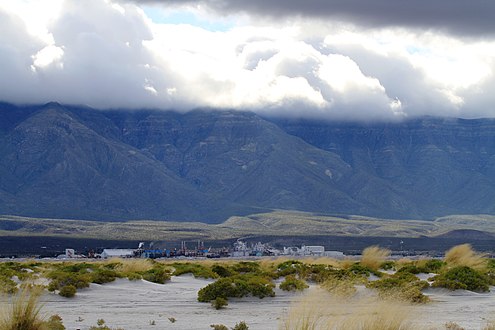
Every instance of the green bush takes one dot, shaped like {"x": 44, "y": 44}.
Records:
{"x": 68, "y": 291}
{"x": 219, "y": 303}
{"x": 219, "y": 327}
{"x": 54, "y": 323}
{"x": 222, "y": 271}
{"x": 290, "y": 267}
{"x": 241, "y": 326}
{"x": 247, "y": 267}
{"x": 291, "y": 283}
{"x": 237, "y": 287}
{"x": 388, "y": 265}
{"x": 103, "y": 275}
{"x": 77, "y": 275}
{"x": 401, "y": 286}
{"x": 411, "y": 269}
{"x": 198, "y": 270}
{"x": 7, "y": 285}
{"x": 361, "y": 270}
{"x": 433, "y": 266}
{"x": 157, "y": 274}
{"x": 462, "y": 277}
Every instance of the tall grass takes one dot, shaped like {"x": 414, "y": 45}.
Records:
{"x": 132, "y": 266}
{"x": 374, "y": 256}
{"x": 464, "y": 255}
{"x": 23, "y": 312}
{"x": 321, "y": 311}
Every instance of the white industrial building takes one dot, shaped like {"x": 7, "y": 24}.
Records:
{"x": 117, "y": 253}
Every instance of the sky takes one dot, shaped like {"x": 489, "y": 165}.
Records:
{"x": 330, "y": 59}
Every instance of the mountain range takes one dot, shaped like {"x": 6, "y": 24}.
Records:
{"x": 59, "y": 161}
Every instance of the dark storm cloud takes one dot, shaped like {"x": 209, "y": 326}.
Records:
{"x": 461, "y": 17}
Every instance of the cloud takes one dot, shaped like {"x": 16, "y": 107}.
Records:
{"x": 468, "y": 18}
{"x": 111, "y": 55}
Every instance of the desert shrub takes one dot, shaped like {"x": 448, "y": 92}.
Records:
{"x": 219, "y": 303}
{"x": 247, "y": 267}
{"x": 67, "y": 282}
{"x": 401, "y": 286}
{"x": 54, "y": 323}
{"x": 103, "y": 275}
{"x": 344, "y": 287}
{"x": 360, "y": 269}
{"x": 7, "y": 285}
{"x": 198, "y": 270}
{"x": 241, "y": 326}
{"x": 423, "y": 266}
{"x": 410, "y": 269}
{"x": 290, "y": 267}
{"x": 21, "y": 270}
{"x": 219, "y": 327}
{"x": 24, "y": 312}
{"x": 222, "y": 271}
{"x": 317, "y": 273}
{"x": 157, "y": 274}
{"x": 374, "y": 256}
{"x": 432, "y": 266}
{"x": 453, "y": 326}
{"x": 462, "y": 277}
{"x": 60, "y": 280}
{"x": 237, "y": 287}
{"x": 100, "y": 325}
{"x": 134, "y": 276}
{"x": 223, "y": 288}
{"x": 388, "y": 265}
{"x": 77, "y": 275}
{"x": 464, "y": 255}
{"x": 68, "y": 291}
{"x": 292, "y": 283}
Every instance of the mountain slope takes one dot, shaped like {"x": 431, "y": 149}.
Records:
{"x": 441, "y": 166}
{"x": 52, "y": 165}
{"x": 76, "y": 162}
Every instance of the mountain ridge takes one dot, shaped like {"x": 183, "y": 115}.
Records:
{"x": 76, "y": 162}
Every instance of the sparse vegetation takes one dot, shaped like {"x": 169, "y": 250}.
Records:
{"x": 235, "y": 279}
{"x": 291, "y": 283}
{"x": 219, "y": 303}
{"x": 241, "y": 326}
{"x": 401, "y": 286}
{"x": 219, "y": 327}
{"x": 101, "y": 325}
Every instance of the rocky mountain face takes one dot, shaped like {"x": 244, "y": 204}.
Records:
{"x": 74, "y": 162}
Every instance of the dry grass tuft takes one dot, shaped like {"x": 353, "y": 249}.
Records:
{"x": 489, "y": 326}
{"x": 307, "y": 314}
{"x": 130, "y": 266}
{"x": 23, "y": 312}
{"x": 374, "y": 256}
{"x": 464, "y": 255}
{"x": 327, "y": 261}
{"x": 347, "y": 263}
{"x": 344, "y": 288}
{"x": 321, "y": 311}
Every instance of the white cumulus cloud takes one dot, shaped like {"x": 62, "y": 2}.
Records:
{"x": 112, "y": 54}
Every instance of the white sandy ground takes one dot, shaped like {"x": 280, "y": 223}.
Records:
{"x": 133, "y": 305}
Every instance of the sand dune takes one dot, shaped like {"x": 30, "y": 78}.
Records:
{"x": 137, "y": 305}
